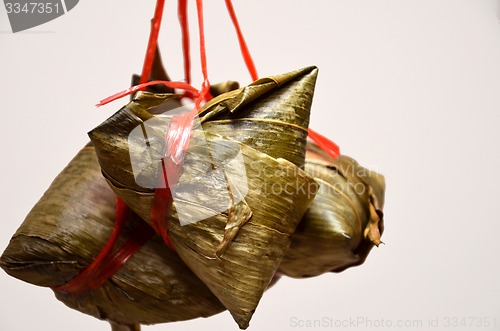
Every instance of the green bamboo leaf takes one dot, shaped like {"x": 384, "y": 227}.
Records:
{"x": 264, "y": 123}
{"x": 343, "y": 222}
{"x": 68, "y": 227}
{"x": 270, "y": 115}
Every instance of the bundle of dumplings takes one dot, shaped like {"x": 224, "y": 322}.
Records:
{"x": 254, "y": 200}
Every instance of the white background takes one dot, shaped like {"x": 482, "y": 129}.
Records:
{"x": 409, "y": 88}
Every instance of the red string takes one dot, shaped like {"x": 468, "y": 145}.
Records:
{"x": 160, "y": 208}
{"x": 183, "y": 20}
{"x": 325, "y": 144}
{"x": 133, "y": 89}
{"x": 107, "y": 263}
{"x": 153, "y": 42}
{"x": 176, "y": 143}
{"x": 205, "y": 87}
{"x": 139, "y": 236}
{"x": 247, "y": 57}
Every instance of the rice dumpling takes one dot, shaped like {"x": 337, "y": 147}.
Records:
{"x": 68, "y": 227}
{"x": 241, "y": 193}
{"x": 343, "y": 222}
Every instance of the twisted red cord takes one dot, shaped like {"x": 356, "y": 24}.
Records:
{"x": 325, "y": 144}
{"x": 107, "y": 262}
{"x": 205, "y": 86}
{"x": 177, "y": 143}
{"x": 133, "y": 89}
{"x": 247, "y": 57}
{"x": 183, "y": 20}
{"x": 153, "y": 42}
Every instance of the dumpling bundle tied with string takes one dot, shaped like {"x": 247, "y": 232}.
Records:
{"x": 254, "y": 199}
